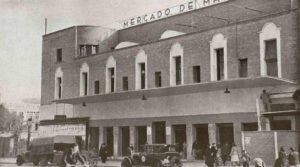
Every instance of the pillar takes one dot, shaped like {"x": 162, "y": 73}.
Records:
{"x": 168, "y": 134}
{"x": 237, "y": 133}
{"x": 212, "y": 133}
{"x": 116, "y": 132}
{"x": 190, "y": 137}
{"x": 149, "y": 134}
{"x": 268, "y": 124}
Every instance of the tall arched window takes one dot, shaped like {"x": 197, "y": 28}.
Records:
{"x": 58, "y": 87}
{"x": 176, "y": 65}
{"x": 218, "y": 58}
{"x": 84, "y": 79}
{"x": 110, "y": 73}
{"x": 270, "y": 50}
{"x": 141, "y": 70}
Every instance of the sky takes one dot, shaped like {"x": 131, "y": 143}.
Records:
{"x": 22, "y": 27}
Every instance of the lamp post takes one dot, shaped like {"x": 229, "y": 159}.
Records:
{"x": 29, "y": 122}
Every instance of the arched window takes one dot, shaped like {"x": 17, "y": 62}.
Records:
{"x": 170, "y": 34}
{"x": 58, "y": 87}
{"x": 176, "y": 65}
{"x": 270, "y": 50}
{"x": 110, "y": 75}
{"x": 84, "y": 79}
{"x": 141, "y": 70}
{"x": 218, "y": 58}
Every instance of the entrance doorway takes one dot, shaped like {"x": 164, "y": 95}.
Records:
{"x": 141, "y": 137}
{"x": 125, "y": 140}
{"x": 202, "y": 138}
{"x": 109, "y": 140}
{"x": 159, "y": 129}
{"x": 94, "y": 138}
{"x": 226, "y": 134}
{"x": 180, "y": 138}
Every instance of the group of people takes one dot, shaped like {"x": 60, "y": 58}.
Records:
{"x": 217, "y": 155}
{"x": 287, "y": 159}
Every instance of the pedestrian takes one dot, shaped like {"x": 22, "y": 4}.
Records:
{"x": 184, "y": 150}
{"x": 283, "y": 158}
{"x": 72, "y": 156}
{"x": 294, "y": 157}
{"x": 130, "y": 151}
{"x": 265, "y": 97}
{"x": 209, "y": 156}
{"x": 245, "y": 158}
{"x": 225, "y": 150}
{"x": 103, "y": 153}
{"x": 258, "y": 162}
{"x": 219, "y": 160}
{"x": 234, "y": 155}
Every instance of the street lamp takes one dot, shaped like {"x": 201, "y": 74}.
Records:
{"x": 29, "y": 122}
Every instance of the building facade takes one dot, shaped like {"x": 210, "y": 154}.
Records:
{"x": 193, "y": 76}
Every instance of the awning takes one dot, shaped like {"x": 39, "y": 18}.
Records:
{"x": 181, "y": 89}
{"x": 281, "y": 113}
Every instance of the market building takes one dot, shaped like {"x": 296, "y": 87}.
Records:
{"x": 197, "y": 75}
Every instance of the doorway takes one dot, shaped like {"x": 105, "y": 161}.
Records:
{"x": 109, "y": 140}
{"x": 125, "y": 140}
{"x": 141, "y": 137}
{"x": 159, "y": 129}
{"x": 202, "y": 138}
{"x": 226, "y": 134}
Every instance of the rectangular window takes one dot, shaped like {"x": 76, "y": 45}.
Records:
{"x": 196, "y": 74}
{"x": 281, "y": 125}
{"x": 125, "y": 83}
{"x": 271, "y": 57}
{"x": 59, "y": 87}
{"x": 59, "y": 55}
{"x": 250, "y": 126}
{"x": 158, "y": 79}
{"x": 112, "y": 79}
{"x": 97, "y": 87}
{"x": 143, "y": 75}
{"x": 178, "y": 70}
{"x": 243, "y": 70}
{"x": 94, "y": 49}
{"x": 85, "y": 83}
{"x": 82, "y": 50}
{"x": 220, "y": 63}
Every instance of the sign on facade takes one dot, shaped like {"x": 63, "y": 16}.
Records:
{"x": 66, "y": 130}
{"x": 182, "y": 8}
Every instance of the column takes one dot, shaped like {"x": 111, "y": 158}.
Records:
{"x": 149, "y": 134}
{"x": 116, "y": 141}
{"x": 133, "y": 137}
{"x": 190, "y": 137}
{"x": 212, "y": 133}
{"x": 268, "y": 124}
{"x": 102, "y": 136}
{"x": 168, "y": 134}
{"x": 237, "y": 135}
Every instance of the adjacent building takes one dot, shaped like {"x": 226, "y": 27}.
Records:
{"x": 197, "y": 75}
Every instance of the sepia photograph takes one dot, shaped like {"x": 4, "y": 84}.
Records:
{"x": 150, "y": 83}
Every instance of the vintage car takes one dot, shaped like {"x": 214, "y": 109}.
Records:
{"x": 154, "y": 155}
{"x": 45, "y": 150}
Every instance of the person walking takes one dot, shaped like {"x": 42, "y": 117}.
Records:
{"x": 225, "y": 150}
{"x": 103, "y": 153}
{"x": 195, "y": 150}
{"x": 234, "y": 155}
{"x": 294, "y": 158}
{"x": 245, "y": 158}
{"x": 209, "y": 156}
{"x": 219, "y": 160}
{"x": 283, "y": 158}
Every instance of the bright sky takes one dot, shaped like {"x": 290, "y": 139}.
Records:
{"x": 22, "y": 26}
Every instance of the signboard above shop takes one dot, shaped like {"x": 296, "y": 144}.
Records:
{"x": 64, "y": 129}
{"x": 182, "y": 8}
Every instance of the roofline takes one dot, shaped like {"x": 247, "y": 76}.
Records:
{"x": 68, "y": 28}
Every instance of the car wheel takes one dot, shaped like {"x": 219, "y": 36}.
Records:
{"x": 36, "y": 161}
{"x": 175, "y": 162}
{"x": 19, "y": 160}
{"x": 126, "y": 163}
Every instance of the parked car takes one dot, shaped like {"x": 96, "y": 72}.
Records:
{"x": 154, "y": 155}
